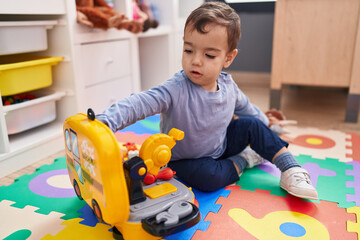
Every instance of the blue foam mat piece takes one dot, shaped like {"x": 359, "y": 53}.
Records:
{"x": 149, "y": 125}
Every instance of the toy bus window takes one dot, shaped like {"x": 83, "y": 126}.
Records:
{"x": 75, "y": 146}
{"x": 67, "y": 140}
{"x": 76, "y": 155}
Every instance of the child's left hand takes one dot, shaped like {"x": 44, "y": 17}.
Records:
{"x": 278, "y": 118}
{"x": 273, "y": 120}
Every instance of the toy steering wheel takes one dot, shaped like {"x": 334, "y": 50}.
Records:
{"x": 156, "y": 150}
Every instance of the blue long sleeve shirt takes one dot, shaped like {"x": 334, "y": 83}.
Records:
{"x": 203, "y": 116}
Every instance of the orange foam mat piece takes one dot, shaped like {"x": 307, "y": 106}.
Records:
{"x": 259, "y": 215}
{"x": 354, "y": 146}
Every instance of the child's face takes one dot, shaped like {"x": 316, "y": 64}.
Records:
{"x": 205, "y": 55}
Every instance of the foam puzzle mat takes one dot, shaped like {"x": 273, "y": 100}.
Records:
{"x": 43, "y": 205}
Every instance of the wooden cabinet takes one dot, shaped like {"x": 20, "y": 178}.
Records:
{"x": 98, "y": 68}
{"x": 317, "y": 43}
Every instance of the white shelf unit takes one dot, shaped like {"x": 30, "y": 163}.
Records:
{"x": 99, "y": 67}
{"x": 24, "y": 148}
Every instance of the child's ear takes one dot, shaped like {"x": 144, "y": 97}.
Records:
{"x": 230, "y": 56}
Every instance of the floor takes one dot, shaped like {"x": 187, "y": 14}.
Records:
{"x": 322, "y": 108}
{"x": 30, "y": 169}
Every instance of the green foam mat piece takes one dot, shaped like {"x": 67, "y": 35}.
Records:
{"x": 332, "y": 188}
{"x": 254, "y": 178}
{"x": 20, "y": 193}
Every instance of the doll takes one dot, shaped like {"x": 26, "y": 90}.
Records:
{"x": 142, "y": 12}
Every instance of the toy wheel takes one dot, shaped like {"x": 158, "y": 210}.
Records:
{"x": 117, "y": 234}
{"x": 97, "y": 211}
{"x": 77, "y": 190}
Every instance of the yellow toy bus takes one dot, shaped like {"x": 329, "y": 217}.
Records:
{"x": 112, "y": 184}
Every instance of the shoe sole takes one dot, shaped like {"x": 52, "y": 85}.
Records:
{"x": 298, "y": 195}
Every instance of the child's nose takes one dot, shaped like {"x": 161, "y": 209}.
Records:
{"x": 196, "y": 60}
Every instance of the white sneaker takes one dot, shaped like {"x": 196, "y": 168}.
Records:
{"x": 296, "y": 181}
{"x": 251, "y": 157}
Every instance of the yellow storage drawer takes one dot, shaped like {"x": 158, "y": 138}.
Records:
{"x": 20, "y": 74}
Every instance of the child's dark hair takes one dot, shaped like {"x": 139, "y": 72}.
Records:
{"x": 218, "y": 13}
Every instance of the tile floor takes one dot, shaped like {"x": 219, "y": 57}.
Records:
{"x": 323, "y": 108}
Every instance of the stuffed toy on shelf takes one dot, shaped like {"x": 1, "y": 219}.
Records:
{"x": 98, "y": 14}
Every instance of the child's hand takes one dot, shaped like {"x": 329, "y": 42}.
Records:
{"x": 278, "y": 118}
{"x": 273, "y": 121}
{"x": 277, "y": 121}
{"x": 282, "y": 123}
{"x": 274, "y": 117}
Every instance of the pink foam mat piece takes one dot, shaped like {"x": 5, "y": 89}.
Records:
{"x": 131, "y": 137}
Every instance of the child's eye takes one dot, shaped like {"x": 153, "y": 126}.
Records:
{"x": 210, "y": 56}
{"x": 187, "y": 51}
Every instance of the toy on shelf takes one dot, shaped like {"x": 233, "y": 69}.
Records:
{"x": 98, "y": 14}
{"x": 110, "y": 3}
{"x": 18, "y": 98}
{"x": 142, "y": 11}
{"x": 111, "y": 183}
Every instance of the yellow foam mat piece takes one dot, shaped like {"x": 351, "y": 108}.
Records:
{"x": 75, "y": 230}
{"x": 352, "y": 226}
{"x": 268, "y": 227}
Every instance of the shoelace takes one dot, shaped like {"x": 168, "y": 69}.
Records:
{"x": 300, "y": 177}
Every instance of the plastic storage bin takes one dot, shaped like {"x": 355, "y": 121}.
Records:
{"x": 26, "y": 115}
{"x": 25, "y": 36}
{"x": 20, "y": 74}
